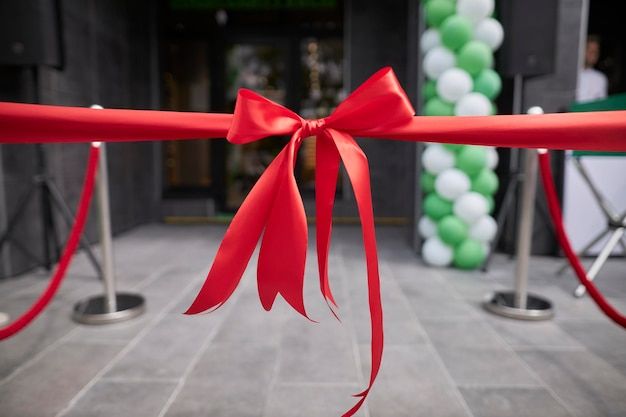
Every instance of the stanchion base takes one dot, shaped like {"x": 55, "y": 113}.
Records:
{"x": 93, "y": 310}
{"x": 503, "y": 304}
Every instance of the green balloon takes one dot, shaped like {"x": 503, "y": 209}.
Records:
{"x": 456, "y": 31}
{"x": 491, "y": 204}
{"x": 452, "y": 230}
{"x": 437, "y": 107}
{"x": 474, "y": 57}
{"x": 470, "y": 254}
{"x": 453, "y": 147}
{"x": 471, "y": 159}
{"x": 485, "y": 183}
{"x": 488, "y": 82}
{"x": 437, "y": 11}
{"x": 430, "y": 90}
{"x": 436, "y": 207}
{"x": 427, "y": 181}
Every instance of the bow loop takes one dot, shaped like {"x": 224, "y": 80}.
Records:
{"x": 256, "y": 117}
{"x": 378, "y": 103}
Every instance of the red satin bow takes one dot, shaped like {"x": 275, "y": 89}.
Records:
{"x": 274, "y": 207}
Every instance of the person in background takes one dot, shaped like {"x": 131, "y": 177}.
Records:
{"x": 592, "y": 84}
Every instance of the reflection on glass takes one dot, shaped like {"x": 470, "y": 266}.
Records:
{"x": 322, "y": 75}
{"x": 263, "y": 67}
{"x": 258, "y": 67}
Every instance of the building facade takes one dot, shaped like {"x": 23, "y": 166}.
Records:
{"x": 193, "y": 55}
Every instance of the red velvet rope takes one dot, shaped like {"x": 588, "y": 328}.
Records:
{"x": 557, "y": 220}
{"x": 68, "y": 252}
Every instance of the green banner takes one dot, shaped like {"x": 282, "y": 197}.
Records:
{"x": 614, "y": 102}
{"x": 251, "y": 4}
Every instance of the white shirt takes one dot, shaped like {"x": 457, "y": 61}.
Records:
{"x": 592, "y": 85}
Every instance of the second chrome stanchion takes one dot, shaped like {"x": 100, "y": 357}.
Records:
{"x": 519, "y": 304}
{"x": 110, "y": 307}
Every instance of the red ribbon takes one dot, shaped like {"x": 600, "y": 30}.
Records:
{"x": 378, "y": 108}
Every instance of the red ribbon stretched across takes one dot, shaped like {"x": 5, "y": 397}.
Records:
{"x": 379, "y": 108}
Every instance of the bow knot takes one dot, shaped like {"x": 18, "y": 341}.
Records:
{"x": 312, "y": 127}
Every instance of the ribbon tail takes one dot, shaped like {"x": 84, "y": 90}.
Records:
{"x": 239, "y": 241}
{"x": 326, "y": 172}
{"x": 357, "y": 168}
{"x": 283, "y": 250}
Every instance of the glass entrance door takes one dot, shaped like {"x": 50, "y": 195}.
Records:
{"x": 260, "y": 66}
{"x": 291, "y": 56}
{"x": 306, "y": 75}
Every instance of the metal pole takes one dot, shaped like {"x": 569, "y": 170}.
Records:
{"x": 104, "y": 221}
{"x": 111, "y": 307}
{"x": 519, "y": 304}
{"x": 525, "y": 227}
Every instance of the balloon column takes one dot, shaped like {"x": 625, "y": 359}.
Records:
{"x": 459, "y": 181}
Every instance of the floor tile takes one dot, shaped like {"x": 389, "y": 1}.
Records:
{"x": 586, "y": 383}
{"x": 112, "y": 398}
{"x": 310, "y": 400}
{"x": 166, "y": 350}
{"x": 486, "y": 367}
{"x": 513, "y": 402}
{"x": 46, "y": 386}
{"x": 468, "y": 334}
{"x": 537, "y": 334}
{"x": 220, "y": 399}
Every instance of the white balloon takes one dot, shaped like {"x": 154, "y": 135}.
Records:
{"x": 436, "y": 159}
{"x": 427, "y": 227}
{"x": 437, "y": 60}
{"x": 453, "y": 84}
{"x": 475, "y": 10}
{"x": 430, "y": 39}
{"x": 492, "y": 157}
{"x": 473, "y": 104}
{"x": 452, "y": 183}
{"x": 470, "y": 207}
{"x": 489, "y": 31}
{"x": 437, "y": 253}
{"x": 484, "y": 230}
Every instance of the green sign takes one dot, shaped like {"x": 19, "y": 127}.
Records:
{"x": 251, "y": 4}
{"x": 614, "y": 102}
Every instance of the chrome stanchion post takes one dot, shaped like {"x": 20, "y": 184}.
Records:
{"x": 111, "y": 307}
{"x": 104, "y": 220}
{"x": 525, "y": 228}
{"x": 519, "y": 304}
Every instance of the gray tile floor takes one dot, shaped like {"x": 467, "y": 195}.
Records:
{"x": 444, "y": 355}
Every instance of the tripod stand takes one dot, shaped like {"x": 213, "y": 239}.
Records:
{"x": 50, "y": 197}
